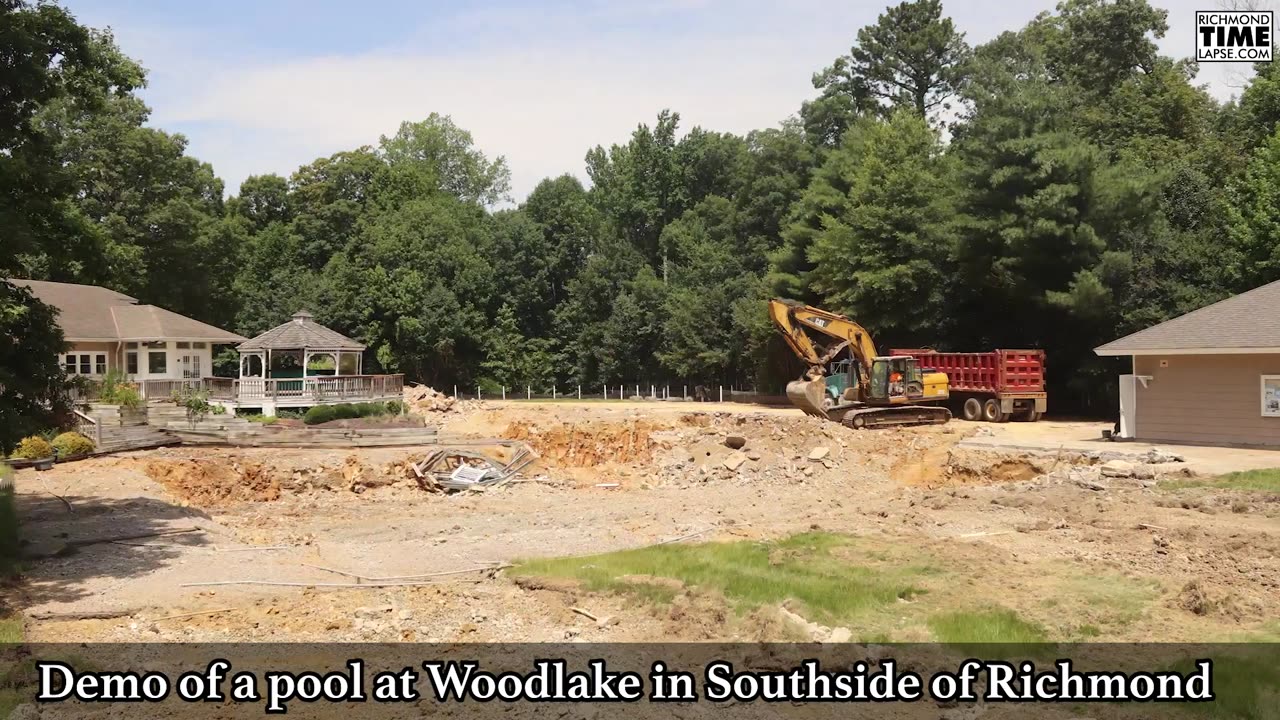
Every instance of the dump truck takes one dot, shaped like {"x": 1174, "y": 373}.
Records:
{"x": 994, "y": 386}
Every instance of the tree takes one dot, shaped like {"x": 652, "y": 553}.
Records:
{"x": 1255, "y": 218}
{"x": 33, "y": 392}
{"x": 449, "y": 154}
{"x": 263, "y": 200}
{"x": 911, "y": 57}
{"x": 880, "y": 255}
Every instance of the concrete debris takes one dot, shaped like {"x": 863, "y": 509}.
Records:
{"x": 819, "y": 452}
{"x": 453, "y": 468}
{"x": 735, "y": 461}
{"x": 816, "y": 632}
{"x": 421, "y": 400}
{"x": 1117, "y": 468}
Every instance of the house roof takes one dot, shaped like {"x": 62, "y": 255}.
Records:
{"x": 91, "y": 313}
{"x": 302, "y": 332}
{"x": 1249, "y": 322}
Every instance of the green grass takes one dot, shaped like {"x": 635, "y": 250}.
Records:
{"x": 260, "y": 418}
{"x": 10, "y": 629}
{"x": 993, "y": 625}
{"x": 803, "y": 568}
{"x": 1267, "y": 480}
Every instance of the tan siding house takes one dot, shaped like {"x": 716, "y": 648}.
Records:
{"x": 109, "y": 331}
{"x": 1211, "y": 376}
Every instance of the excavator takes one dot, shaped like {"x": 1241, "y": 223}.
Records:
{"x": 863, "y": 391}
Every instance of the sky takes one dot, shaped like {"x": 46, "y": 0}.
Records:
{"x": 263, "y": 86}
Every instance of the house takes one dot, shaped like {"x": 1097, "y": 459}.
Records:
{"x": 1211, "y": 376}
{"x": 107, "y": 331}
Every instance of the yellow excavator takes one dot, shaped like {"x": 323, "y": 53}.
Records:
{"x": 864, "y": 390}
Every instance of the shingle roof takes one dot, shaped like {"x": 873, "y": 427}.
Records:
{"x": 1246, "y": 321}
{"x": 89, "y": 313}
{"x": 301, "y": 333}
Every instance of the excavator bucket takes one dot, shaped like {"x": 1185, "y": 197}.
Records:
{"x": 808, "y": 396}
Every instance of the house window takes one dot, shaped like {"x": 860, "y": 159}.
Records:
{"x": 184, "y": 346}
{"x": 156, "y": 344}
{"x": 131, "y": 363}
{"x": 157, "y": 362}
{"x": 198, "y": 345}
{"x": 69, "y": 364}
{"x": 1271, "y": 396}
{"x": 100, "y": 365}
{"x": 86, "y": 364}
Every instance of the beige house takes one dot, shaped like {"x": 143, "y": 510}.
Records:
{"x": 1211, "y": 376}
{"x": 106, "y": 330}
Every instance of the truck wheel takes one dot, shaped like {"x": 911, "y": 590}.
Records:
{"x": 972, "y": 409}
{"x": 991, "y": 411}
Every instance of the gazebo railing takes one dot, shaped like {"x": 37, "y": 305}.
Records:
{"x": 317, "y": 390}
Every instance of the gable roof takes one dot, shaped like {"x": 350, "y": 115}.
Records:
{"x": 89, "y": 313}
{"x": 1248, "y": 322}
{"x": 302, "y": 332}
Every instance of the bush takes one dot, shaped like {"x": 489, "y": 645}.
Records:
{"x": 116, "y": 391}
{"x": 9, "y": 542}
{"x": 319, "y": 414}
{"x": 395, "y": 407}
{"x": 346, "y": 411}
{"x": 70, "y": 444}
{"x": 33, "y": 448}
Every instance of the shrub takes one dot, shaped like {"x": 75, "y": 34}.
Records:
{"x": 195, "y": 401}
{"x": 33, "y": 448}
{"x": 116, "y": 391}
{"x": 395, "y": 407}
{"x": 319, "y": 414}
{"x": 346, "y": 411}
{"x": 70, "y": 444}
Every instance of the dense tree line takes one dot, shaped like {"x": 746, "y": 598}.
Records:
{"x": 1055, "y": 187}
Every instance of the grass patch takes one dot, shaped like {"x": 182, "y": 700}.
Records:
{"x": 260, "y": 418}
{"x": 994, "y": 625}
{"x": 749, "y": 575}
{"x": 10, "y": 629}
{"x": 1267, "y": 480}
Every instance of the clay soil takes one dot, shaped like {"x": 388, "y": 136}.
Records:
{"x": 1036, "y": 533}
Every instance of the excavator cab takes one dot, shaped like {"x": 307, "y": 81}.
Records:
{"x": 895, "y": 379}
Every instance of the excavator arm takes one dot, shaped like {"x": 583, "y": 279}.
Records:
{"x": 794, "y": 320}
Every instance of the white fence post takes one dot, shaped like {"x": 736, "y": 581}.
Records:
{"x": 478, "y": 392}
{"x": 455, "y": 392}
{"x": 637, "y": 388}
{"x": 653, "y": 392}
{"x": 684, "y": 391}
{"x": 504, "y": 392}
{"x": 579, "y": 392}
{"x": 528, "y": 392}
{"x": 553, "y": 391}
{"x": 721, "y": 393}
{"x": 606, "y": 392}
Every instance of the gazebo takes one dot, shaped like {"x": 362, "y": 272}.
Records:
{"x": 301, "y": 364}
{"x": 300, "y": 348}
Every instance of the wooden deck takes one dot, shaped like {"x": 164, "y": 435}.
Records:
{"x": 283, "y": 392}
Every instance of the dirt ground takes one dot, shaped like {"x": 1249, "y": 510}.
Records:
{"x": 1003, "y": 517}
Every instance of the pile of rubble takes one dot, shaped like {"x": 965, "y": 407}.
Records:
{"x": 422, "y": 399}
{"x": 454, "y": 468}
{"x": 1107, "y": 468}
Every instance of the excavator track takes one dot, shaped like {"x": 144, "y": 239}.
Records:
{"x": 862, "y": 417}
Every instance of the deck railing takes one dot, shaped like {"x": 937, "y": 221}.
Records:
{"x": 254, "y": 391}
{"x": 89, "y": 427}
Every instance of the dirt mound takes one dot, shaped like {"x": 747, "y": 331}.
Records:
{"x": 589, "y": 445}
{"x": 215, "y": 483}
{"x": 422, "y": 400}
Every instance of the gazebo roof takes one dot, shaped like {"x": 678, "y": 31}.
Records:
{"x": 301, "y": 333}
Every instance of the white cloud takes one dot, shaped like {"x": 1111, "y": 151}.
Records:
{"x": 539, "y": 87}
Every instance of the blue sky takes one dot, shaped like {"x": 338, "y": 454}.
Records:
{"x": 266, "y": 86}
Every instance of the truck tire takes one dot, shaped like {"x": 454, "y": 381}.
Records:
{"x": 972, "y": 409}
{"x": 991, "y": 411}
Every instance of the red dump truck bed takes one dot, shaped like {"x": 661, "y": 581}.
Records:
{"x": 996, "y": 386}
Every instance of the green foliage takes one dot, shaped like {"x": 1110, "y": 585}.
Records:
{"x": 116, "y": 390}
{"x": 32, "y": 447}
{"x": 1267, "y": 480}
{"x": 33, "y": 390}
{"x": 196, "y": 403}
{"x": 978, "y": 627}
{"x": 320, "y": 414}
{"x": 881, "y": 250}
{"x": 70, "y": 444}
{"x": 1255, "y": 217}
{"x": 349, "y": 411}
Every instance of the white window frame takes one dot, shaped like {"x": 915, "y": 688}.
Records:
{"x": 1275, "y": 380}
